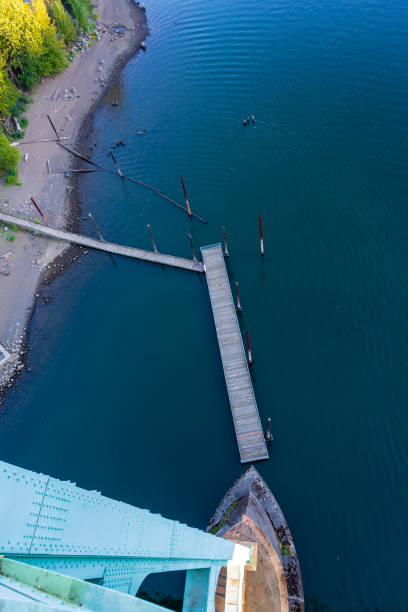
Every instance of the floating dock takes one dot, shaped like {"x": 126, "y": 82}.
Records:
{"x": 108, "y": 247}
{"x": 250, "y": 437}
{"x": 248, "y": 429}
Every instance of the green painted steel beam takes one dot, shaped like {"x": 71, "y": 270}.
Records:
{"x": 28, "y": 588}
{"x": 68, "y": 535}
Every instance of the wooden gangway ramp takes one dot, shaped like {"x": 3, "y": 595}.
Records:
{"x": 108, "y": 247}
{"x": 250, "y": 437}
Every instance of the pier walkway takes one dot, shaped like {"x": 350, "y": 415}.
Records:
{"x": 108, "y": 247}
{"x": 248, "y": 429}
{"x": 250, "y": 437}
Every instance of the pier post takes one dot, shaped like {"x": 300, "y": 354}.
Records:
{"x": 268, "y": 436}
{"x": 238, "y": 306}
{"x": 261, "y": 235}
{"x": 224, "y": 233}
{"x": 40, "y": 211}
{"x": 96, "y": 227}
{"x": 250, "y": 361}
{"x": 152, "y": 239}
{"x": 185, "y": 195}
{"x": 192, "y": 247}
{"x": 116, "y": 163}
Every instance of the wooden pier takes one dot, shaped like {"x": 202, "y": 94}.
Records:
{"x": 108, "y": 247}
{"x": 250, "y": 437}
{"x": 248, "y": 429}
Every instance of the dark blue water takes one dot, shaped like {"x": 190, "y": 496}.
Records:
{"x": 126, "y": 392}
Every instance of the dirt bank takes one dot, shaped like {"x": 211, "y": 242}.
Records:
{"x": 71, "y": 100}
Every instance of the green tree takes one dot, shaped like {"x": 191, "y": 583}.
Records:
{"x": 63, "y": 21}
{"x": 8, "y": 93}
{"x": 81, "y": 11}
{"x": 9, "y": 158}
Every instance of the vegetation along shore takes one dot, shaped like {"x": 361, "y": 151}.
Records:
{"x": 57, "y": 59}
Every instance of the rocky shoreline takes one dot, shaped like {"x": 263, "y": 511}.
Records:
{"x": 35, "y": 262}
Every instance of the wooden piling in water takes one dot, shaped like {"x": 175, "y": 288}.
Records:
{"x": 116, "y": 163}
{"x": 250, "y": 362}
{"x": 101, "y": 238}
{"x": 261, "y": 235}
{"x": 238, "y": 306}
{"x": 96, "y": 227}
{"x": 152, "y": 239}
{"x": 185, "y": 195}
{"x": 268, "y": 436}
{"x": 224, "y": 233}
{"x": 192, "y": 247}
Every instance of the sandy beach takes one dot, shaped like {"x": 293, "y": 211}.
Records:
{"x": 71, "y": 100}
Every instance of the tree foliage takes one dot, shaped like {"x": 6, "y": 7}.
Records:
{"x": 8, "y": 93}
{"x": 29, "y": 40}
{"x": 33, "y": 39}
{"x": 9, "y": 158}
{"x": 81, "y": 11}
{"x": 19, "y": 30}
{"x": 33, "y": 36}
{"x": 63, "y": 21}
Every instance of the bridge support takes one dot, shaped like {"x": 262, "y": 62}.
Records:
{"x": 31, "y": 589}
{"x": 58, "y": 527}
{"x": 200, "y": 589}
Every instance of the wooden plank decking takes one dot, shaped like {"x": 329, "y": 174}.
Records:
{"x": 108, "y": 247}
{"x": 250, "y": 437}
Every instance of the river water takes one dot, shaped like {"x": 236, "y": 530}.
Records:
{"x": 126, "y": 393}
